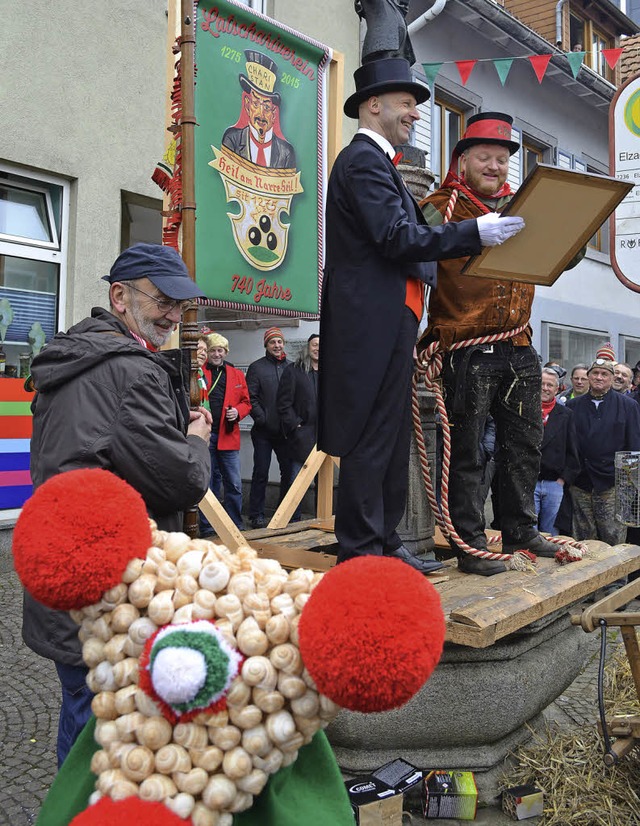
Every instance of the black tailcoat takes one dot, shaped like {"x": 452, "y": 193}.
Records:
{"x": 376, "y": 238}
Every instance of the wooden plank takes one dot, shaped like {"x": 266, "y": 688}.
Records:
{"x": 334, "y": 108}
{"x": 294, "y": 557}
{"x": 325, "y": 524}
{"x": 324, "y": 508}
{"x": 299, "y": 487}
{"x": 221, "y": 522}
{"x": 471, "y": 637}
{"x": 478, "y": 611}
{"x": 554, "y": 588}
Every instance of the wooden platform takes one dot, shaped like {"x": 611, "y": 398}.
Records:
{"x": 479, "y": 610}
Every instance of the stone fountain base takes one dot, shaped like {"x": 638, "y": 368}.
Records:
{"x": 475, "y": 708}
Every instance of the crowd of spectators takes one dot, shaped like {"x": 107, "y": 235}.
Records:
{"x": 281, "y": 397}
{"x": 585, "y": 423}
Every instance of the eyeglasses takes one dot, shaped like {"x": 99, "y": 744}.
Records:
{"x": 166, "y": 305}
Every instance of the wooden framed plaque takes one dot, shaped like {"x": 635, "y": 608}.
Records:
{"x": 562, "y": 209}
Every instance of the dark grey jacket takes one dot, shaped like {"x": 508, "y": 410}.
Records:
{"x": 297, "y": 403}
{"x": 103, "y": 401}
{"x": 263, "y": 378}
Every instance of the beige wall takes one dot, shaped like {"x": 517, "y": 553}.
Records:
{"x": 83, "y": 98}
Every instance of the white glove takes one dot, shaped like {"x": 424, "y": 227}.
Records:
{"x": 495, "y": 229}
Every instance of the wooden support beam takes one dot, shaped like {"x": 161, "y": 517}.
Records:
{"x": 334, "y": 110}
{"x": 299, "y": 487}
{"x": 630, "y": 637}
{"x": 324, "y": 507}
{"x": 221, "y": 522}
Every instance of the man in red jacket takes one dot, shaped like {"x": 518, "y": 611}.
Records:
{"x": 229, "y": 402}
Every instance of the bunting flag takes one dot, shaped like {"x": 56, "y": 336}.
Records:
{"x": 575, "y": 61}
{"x": 503, "y": 66}
{"x": 465, "y": 67}
{"x": 431, "y": 72}
{"x": 540, "y": 63}
{"x": 612, "y": 56}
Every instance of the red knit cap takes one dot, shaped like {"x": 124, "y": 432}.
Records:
{"x": 606, "y": 352}
{"x": 272, "y": 332}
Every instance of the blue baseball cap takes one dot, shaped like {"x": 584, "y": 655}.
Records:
{"x": 163, "y": 266}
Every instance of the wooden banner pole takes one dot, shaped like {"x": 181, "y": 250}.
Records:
{"x": 189, "y": 328}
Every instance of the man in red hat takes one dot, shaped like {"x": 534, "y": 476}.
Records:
{"x": 500, "y": 379}
{"x": 379, "y": 255}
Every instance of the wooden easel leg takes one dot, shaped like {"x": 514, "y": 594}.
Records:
{"x": 221, "y": 522}
{"x": 630, "y": 639}
{"x": 325, "y": 487}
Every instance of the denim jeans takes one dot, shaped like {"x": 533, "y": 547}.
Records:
{"x": 263, "y": 446}
{"x": 547, "y": 498}
{"x": 225, "y": 473}
{"x": 503, "y": 382}
{"x": 76, "y": 706}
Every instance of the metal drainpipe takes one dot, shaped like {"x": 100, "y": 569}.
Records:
{"x": 429, "y": 15}
{"x": 559, "y": 6}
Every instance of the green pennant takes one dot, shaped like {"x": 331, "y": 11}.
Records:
{"x": 503, "y": 65}
{"x": 431, "y": 72}
{"x": 575, "y": 61}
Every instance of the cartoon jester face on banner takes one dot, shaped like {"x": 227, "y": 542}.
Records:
{"x": 257, "y": 166}
{"x": 211, "y": 669}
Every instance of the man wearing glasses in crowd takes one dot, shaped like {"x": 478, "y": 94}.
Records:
{"x": 106, "y": 398}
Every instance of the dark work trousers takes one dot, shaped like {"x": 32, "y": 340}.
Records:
{"x": 504, "y": 381}
{"x": 372, "y": 488}
{"x": 263, "y": 446}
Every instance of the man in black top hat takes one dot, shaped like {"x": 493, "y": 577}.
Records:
{"x": 254, "y": 136}
{"x": 379, "y": 256}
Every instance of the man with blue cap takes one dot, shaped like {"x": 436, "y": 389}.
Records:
{"x": 107, "y": 398}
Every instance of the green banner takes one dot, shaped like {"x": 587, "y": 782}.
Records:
{"x": 259, "y": 162}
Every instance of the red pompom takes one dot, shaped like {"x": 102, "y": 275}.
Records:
{"x": 371, "y": 633}
{"x": 128, "y": 812}
{"x": 76, "y": 535}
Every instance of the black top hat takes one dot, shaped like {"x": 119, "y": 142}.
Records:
{"x": 488, "y": 127}
{"x": 393, "y": 74}
{"x": 262, "y": 74}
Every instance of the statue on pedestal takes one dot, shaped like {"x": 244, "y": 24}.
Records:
{"x": 386, "y": 29}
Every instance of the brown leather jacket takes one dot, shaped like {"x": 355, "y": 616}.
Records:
{"x": 463, "y": 306}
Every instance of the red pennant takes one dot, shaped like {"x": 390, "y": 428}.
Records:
{"x": 540, "y": 63}
{"x": 465, "y": 67}
{"x": 612, "y": 56}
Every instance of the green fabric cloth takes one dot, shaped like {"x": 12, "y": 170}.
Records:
{"x": 310, "y": 791}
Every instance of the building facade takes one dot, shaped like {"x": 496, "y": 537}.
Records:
{"x": 85, "y": 113}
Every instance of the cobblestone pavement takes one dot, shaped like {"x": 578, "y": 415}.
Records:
{"x": 29, "y": 693}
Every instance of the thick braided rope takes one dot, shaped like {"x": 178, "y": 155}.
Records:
{"x": 430, "y": 367}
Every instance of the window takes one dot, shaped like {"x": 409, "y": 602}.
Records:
{"x": 26, "y": 214}
{"x": 585, "y": 37}
{"x": 531, "y": 157}
{"x": 446, "y": 130}
{"x": 33, "y": 223}
{"x": 256, "y": 5}
{"x": 141, "y": 220}
{"x": 630, "y": 348}
{"x": 571, "y": 345}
